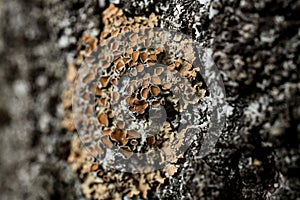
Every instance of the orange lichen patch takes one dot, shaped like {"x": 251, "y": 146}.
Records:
{"x": 166, "y": 86}
{"x": 155, "y": 80}
{"x": 94, "y": 45}
{"x": 151, "y": 140}
{"x": 115, "y": 97}
{"x": 119, "y": 136}
{"x": 135, "y": 55}
{"x": 134, "y": 37}
{"x": 131, "y": 100}
{"x": 147, "y": 43}
{"x": 147, "y": 76}
{"x": 153, "y": 57}
{"x": 151, "y": 63}
{"x": 132, "y": 63}
{"x": 159, "y": 50}
{"x": 126, "y": 151}
{"x": 115, "y": 46}
{"x": 129, "y": 51}
{"x": 94, "y": 167}
{"x": 178, "y": 62}
{"x": 114, "y": 81}
{"x": 126, "y": 60}
{"x": 103, "y": 119}
{"x": 155, "y": 103}
{"x": 120, "y": 65}
{"x": 119, "y": 59}
{"x": 106, "y": 141}
{"x": 104, "y": 81}
{"x": 98, "y": 91}
{"x": 145, "y": 83}
{"x": 140, "y": 68}
{"x": 158, "y": 70}
{"x": 103, "y": 42}
{"x": 106, "y": 131}
{"x": 100, "y": 173}
{"x": 120, "y": 124}
{"x": 129, "y": 90}
{"x": 132, "y": 44}
{"x": 145, "y": 93}
{"x": 132, "y": 134}
{"x": 171, "y": 67}
{"x": 140, "y": 106}
{"x": 98, "y": 183}
{"x": 115, "y": 32}
{"x": 102, "y": 101}
{"x": 144, "y": 56}
{"x": 106, "y": 65}
{"x": 86, "y": 38}
{"x": 155, "y": 90}
{"x": 125, "y": 29}
{"x": 87, "y": 44}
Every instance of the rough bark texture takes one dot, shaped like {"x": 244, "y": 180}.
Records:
{"x": 256, "y": 47}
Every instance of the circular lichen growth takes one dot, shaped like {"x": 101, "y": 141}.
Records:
{"x": 138, "y": 99}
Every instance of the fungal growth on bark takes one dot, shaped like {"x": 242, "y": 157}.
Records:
{"x": 146, "y": 99}
{"x": 138, "y": 104}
